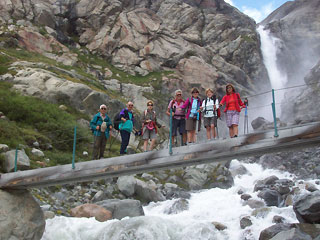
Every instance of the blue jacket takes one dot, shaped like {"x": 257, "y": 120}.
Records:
{"x": 128, "y": 125}
{"x": 97, "y": 121}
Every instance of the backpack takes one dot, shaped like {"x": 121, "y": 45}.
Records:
{"x": 117, "y": 119}
{"x": 214, "y": 98}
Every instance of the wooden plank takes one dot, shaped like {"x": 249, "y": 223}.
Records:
{"x": 210, "y": 151}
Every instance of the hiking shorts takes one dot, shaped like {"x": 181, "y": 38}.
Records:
{"x": 232, "y": 118}
{"x": 178, "y": 123}
{"x": 208, "y": 121}
{"x": 191, "y": 124}
{"x": 149, "y": 134}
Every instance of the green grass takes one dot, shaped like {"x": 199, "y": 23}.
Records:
{"x": 32, "y": 119}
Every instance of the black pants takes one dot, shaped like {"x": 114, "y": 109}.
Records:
{"x": 125, "y": 137}
{"x": 99, "y": 145}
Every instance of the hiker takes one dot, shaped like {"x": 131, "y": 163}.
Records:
{"x": 126, "y": 126}
{"x": 209, "y": 107}
{"x": 178, "y": 117}
{"x": 193, "y": 115}
{"x": 100, "y": 126}
{"x": 233, "y": 108}
{"x": 149, "y": 126}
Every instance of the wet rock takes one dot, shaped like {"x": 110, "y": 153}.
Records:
{"x": 307, "y": 208}
{"x": 91, "y": 210}
{"x": 237, "y": 169}
{"x": 272, "y": 231}
{"x": 245, "y": 197}
{"x": 122, "y": 208}
{"x": 271, "y": 197}
{"x": 178, "y": 206}
{"x": 255, "y": 203}
{"x": 311, "y": 187}
{"x": 219, "y": 226}
{"x": 49, "y": 215}
{"x": 245, "y": 222}
{"x": 99, "y": 196}
{"x": 260, "y": 123}
{"x": 261, "y": 212}
{"x": 37, "y": 152}
{"x": 278, "y": 219}
{"x": 148, "y": 191}
{"x": 291, "y": 234}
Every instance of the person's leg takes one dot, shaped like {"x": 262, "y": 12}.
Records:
{"x": 189, "y": 135}
{"x": 182, "y": 131}
{"x": 235, "y": 130}
{"x": 193, "y": 136}
{"x": 208, "y": 133}
{"x": 213, "y": 131}
{"x": 125, "y": 136}
{"x": 102, "y": 145}
{"x": 231, "y": 132}
{"x": 145, "y": 145}
{"x": 153, "y": 143}
{"x": 175, "y": 125}
{"x": 96, "y": 147}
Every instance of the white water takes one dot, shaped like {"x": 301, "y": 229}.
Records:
{"x": 221, "y": 205}
{"x": 269, "y": 48}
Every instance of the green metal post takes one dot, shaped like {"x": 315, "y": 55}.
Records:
{"x": 170, "y": 133}
{"x": 16, "y": 160}
{"x": 74, "y": 147}
{"x": 274, "y": 114}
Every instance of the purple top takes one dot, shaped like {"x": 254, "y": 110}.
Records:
{"x": 189, "y": 106}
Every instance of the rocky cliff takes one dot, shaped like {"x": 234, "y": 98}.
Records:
{"x": 297, "y": 24}
{"x": 205, "y": 43}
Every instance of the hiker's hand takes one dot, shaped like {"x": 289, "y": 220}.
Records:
{"x": 97, "y": 127}
{"x": 110, "y": 127}
{"x": 147, "y": 121}
{"x": 172, "y": 114}
{"x": 180, "y": 109}
{"x": 198, "y": 111}
{"x": 201, "y": 108}
{"x": 214, "y": 107}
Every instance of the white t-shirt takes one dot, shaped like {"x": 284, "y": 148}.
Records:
{"x": 208, "y": 109}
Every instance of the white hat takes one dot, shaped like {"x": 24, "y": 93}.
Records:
{"x": 103, "y": 105}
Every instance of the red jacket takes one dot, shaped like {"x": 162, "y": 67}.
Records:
{"x": 226, "y": 99}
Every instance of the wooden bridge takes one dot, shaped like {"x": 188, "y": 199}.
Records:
{"x": 259, "y": 143}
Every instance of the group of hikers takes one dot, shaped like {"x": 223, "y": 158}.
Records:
{"x": 185, "y": 116}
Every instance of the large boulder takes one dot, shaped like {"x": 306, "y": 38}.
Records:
{"x": 148, "y": 191}
{"x": 122, "y": 208}
{"x": 91, "y": 210}
{"x": 307, "y": 208}
{"x": 23, "y": 161}
{"x": 21, "y": 216}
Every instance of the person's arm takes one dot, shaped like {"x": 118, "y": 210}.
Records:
{"x": 241, "y": 104}
{"x": 223, "y": 101}
{"x": 216, "y": 103}
{"x": 93, "y": 123}
{"x": 123, "y": 116}
{"x": 169, "y": 107}
{"x": 185, "y": 104}
{"x": 109, "y": 122}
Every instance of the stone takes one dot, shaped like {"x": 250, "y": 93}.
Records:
{"x": 4, "y": 148}
{"x": 237, "y": 169}
{"x": 126, "y": 185}
{"x": 245, "y": 222}
{"x": 37, "y": 152}
{"x": 36, "y": 144}
{"x": 91, "y": 210}
{"x": 259, "y": 123}
{"x": 23, "y": 161}
{"x": 21, "y": 216}
{"x": 122, "y": 208}
{"x": 49, "y": 215}
{"x": 307, "y": 208}
{"x": 271, "y": 197}
{"x": 272, "y": 231}
{"x": 219, "y": 226}
{"x": 178, "y": 206}
{"x": 255, "y": 203}
{"x": 245, "y": 197}
{"x": 278, "y": 219}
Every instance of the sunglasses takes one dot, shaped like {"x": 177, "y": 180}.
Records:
{"x": 150, "y": 104}
{"x": 103, "y": 108}
{"x": 195, "y": 92}
{"x": 178, "y": 95}
{"x": 130, "y": 105}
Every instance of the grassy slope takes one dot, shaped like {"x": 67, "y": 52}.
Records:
{"x": 33, "y": 120}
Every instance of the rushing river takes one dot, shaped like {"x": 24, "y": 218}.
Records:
{"x": 214, "y": 205}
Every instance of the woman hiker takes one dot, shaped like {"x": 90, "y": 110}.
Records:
{"x": 100, "y": 126}
{"x": 233, "y": 108}
{"x": 126, "y": 126}
{"x": 149, "y": 126}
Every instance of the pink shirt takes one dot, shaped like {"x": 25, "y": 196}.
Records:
{"x": 179, "y": 114}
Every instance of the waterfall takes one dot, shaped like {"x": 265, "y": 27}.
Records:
{"x": 269, "y": 48}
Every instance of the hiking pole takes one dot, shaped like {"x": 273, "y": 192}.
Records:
{"x": 246, "y": 120}
{"x": 111, "y": 142}
{"x": 170, "y": 133}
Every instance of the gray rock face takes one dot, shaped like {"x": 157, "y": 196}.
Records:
{"x": 307, "y": 208}
{"x": 208, "y": 42}
{"x": 271, "y": 197}
{"x": 178, "y": 206}
{"x": 297, "y": 24}
{"x": 23, "y": 161}
{"x": 123, "y": 208}
{"x": 21, "y": 216}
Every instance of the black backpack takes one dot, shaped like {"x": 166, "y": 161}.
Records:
{"x": 117, "y": 119}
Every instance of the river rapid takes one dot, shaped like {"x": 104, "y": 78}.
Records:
{"x": 205, "y": 207}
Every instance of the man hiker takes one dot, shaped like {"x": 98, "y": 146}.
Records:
{"x": 126, "y": 126}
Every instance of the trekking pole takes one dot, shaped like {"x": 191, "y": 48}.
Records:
{"x": 246, "y": 120}
{"x": 170, "y": 133}
{"x": 74, "y": 147}
{"x": 111, "y": 142}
